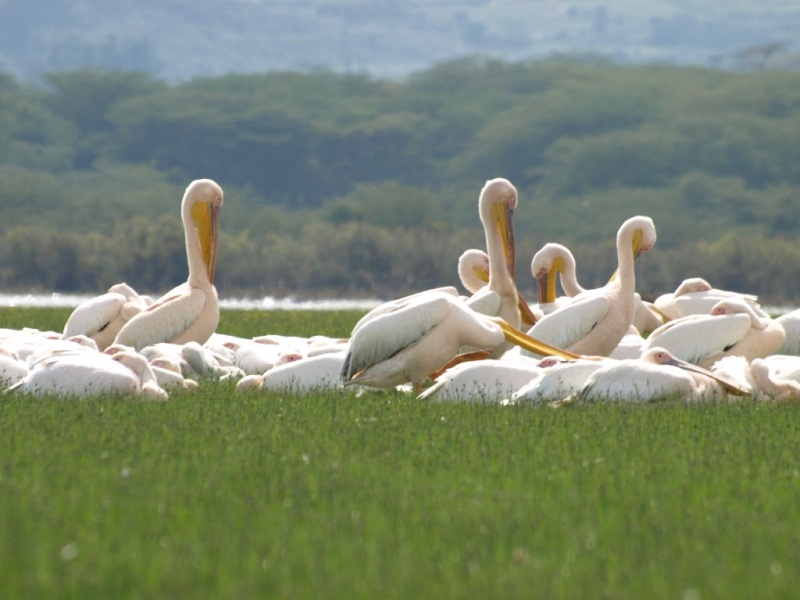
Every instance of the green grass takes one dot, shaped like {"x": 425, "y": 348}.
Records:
{"x": 223, "y": 495}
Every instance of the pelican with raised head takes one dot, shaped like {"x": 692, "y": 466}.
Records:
{"x": 596, "y": 320}
{"x": 497, "y": 202}
{"x": 190, "y": 312}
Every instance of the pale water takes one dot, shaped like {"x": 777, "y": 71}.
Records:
{"x": 265, "y": 303}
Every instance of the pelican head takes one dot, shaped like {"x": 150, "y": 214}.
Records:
{"x": 201, "y": 203}
{"x": 547, "y": 263}
{"x": 473, "y": 269}
{"x": 730, "y": 306}
{"x": 662, "y": 356}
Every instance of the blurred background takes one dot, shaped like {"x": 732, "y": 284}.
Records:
{"x": 352, "y": 139}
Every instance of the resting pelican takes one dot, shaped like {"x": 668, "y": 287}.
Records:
{"x": 596, "y": 320}
{"x": 482, "y": 381}
{"x": 407, "y": 340}
{"x": 733, "y": 328}
{"x": 695, "y": 296}
{"x": 102, "y": 317}
{"x": 190, "y": 312}
{"x": 12, "y": 369}
{"x": 559, "y": 379}
{"x": 90, "y": 374}
{"x": 656, "y": 375}
{"x": 554, "y": 260}
{"x": 299, "y": 375}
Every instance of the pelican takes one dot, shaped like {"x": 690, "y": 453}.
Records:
{"x": 696, "y": 296}
{"x": 85, "y": 374}
{"x": 299, "y": 375}
{"x": 596, "y": 320}
{"x": 732, "y": 328}
{"x": 790, "y": 322}
{"x": 559, "y": 379}
{"x": 557, "y": 260}
{"x": 190, "y": 312}
{"x": 407, "y": 340}
{"x": 496, "y": 204}
{"x": 102, "y": 317}
{"x": 656, "y": 375}
{"x": 12, "y": 369}
{"x": 482, "y": 381}
{"x": 473, "y": 269}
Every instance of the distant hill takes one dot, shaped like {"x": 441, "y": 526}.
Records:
{"x": 180, "y": 39}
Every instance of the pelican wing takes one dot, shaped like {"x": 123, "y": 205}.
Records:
{"x": 570, "y": 323}
{"x": 163, "y": 320}
{"x": 94, "y": 315}
{"x": 386, "y": 334}
{"x": 697, "y": 337}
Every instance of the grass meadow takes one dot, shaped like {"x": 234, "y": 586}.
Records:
{"x": 217, "y": 494}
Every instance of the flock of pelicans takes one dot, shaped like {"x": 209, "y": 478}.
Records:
{"x": 697, "y": 343}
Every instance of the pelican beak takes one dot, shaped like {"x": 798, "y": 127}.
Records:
{"x": 731, "y": 388}
{"x": 638, "y": 247}
{"x": 503, "y": 215}
{"x": 525, "y": 313}
{"x": 523, "y": 340}
{"x": 481, "y": 273}
{"x": 206, "y": 221}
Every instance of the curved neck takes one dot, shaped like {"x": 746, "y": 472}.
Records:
{"x": 198, "y": 273}
{"x": 626, "y": 274}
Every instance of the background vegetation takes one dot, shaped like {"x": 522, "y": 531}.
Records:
{"x": 349, "y": 185}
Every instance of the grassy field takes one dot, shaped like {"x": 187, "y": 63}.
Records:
{"x": 223, "y": 495}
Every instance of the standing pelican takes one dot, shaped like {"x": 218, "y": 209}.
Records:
{"x": 733, "y": 328}
{"x": 190, "y": 312}
{"x": 557, "y": 260}
{"x": 500, "y": 298}
{"x": 407, "y": 340}
{"x": 596, "y": 320}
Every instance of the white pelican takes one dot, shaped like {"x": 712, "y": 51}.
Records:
{"x": 407, "y": 340}
{"x": 732, "y": 328}
{"x": 482, "y": 381}
{"x": 190, "y": 312}
{"x": 169, "y": 375}
{"x": 102, "y": 317}
{"x": 656, "y": 375}
{"x": 12, "y": 369}
{"x": 496, "y": 204}
{"x": 695, "y": 296}
{"x": 302, "y": 375}
{"x": 556, "y": 261}
{"x": 473, "y": 269}
{"x": 91, "y": 374}
{"x": 596, "y": 320}
{"x": 559, "y": 379}
{"x": 790, "y": 322}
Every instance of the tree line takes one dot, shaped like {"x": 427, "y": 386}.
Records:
{"x": 348, "y": 185}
